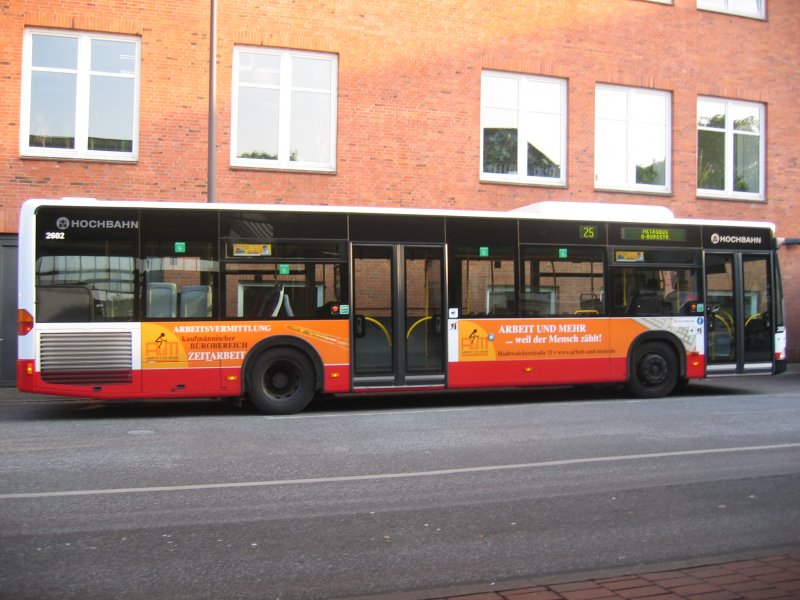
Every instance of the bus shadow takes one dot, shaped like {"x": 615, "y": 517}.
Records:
{"x": 512, "y": 396}
{"x": 70, "y": 409}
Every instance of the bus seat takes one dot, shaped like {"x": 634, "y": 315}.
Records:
{"x": 287, "y": 305}
{"x": 195, "y": 301}
{"x": 281, "y": 303}
{"x": 162, "y": 300}
{"x": 261, "y": 302}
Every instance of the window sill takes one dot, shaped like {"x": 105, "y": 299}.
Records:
{"x": 284, "y": 169}
{"x": 703, "y": 195}
{"x": 636, "y": 191}
{"x": 127, "y": 160}
{"x": 732, "y": 13}
{"x": 545, "y": 184}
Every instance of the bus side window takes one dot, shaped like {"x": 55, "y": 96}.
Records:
{"x": 487, "y": 287}
{"x": 88, "y": 286}
{"x": 562, "y": 281}
{"x": 180, "y": 258}
{"x": 266, "y": 290}
{"x": 682, "y": 291}
{"x": 482, "y": 271}
{"x": 654, "y": 292}
{"x": 65, "y": 304}
{"x": 179, "y": 287}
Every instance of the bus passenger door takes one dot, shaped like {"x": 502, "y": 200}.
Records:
{"x": 739, "y": 317}
{"x": 398, "y": 337}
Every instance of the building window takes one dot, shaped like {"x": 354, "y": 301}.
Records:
{"x": 284, "y": 109}
{"x": 744, "y": 8}
{"x": 730, "y": 149}
{"x": 632, "y": 139}
{"x": 523, "y": 129}
{"x": 80, "y": 95}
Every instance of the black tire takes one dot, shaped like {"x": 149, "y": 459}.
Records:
{"x": 654, "y": 371}
{"x": 281, "y": 381}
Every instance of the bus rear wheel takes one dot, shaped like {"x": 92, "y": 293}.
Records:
{"x": 281, "y": 381}
{"x": 654, "y": 371}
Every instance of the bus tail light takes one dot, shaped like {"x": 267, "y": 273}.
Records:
{"x": 24, "y": 322}
{"x": 26, "y": 380}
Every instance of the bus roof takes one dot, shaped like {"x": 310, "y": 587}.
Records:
{"x": 547, "y": 210}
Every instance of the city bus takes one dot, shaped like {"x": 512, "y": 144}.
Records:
{"x": 278, "y": 304}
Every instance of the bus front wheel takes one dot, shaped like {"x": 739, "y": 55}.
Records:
{"x": 281, "y": 382}
{"x": 654, "y": 371}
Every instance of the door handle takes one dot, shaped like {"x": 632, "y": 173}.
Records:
{"x": 358, "y": 325}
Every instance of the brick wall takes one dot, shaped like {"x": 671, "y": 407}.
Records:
{"x": 409, "y": 98}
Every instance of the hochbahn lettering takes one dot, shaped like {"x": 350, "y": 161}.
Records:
{"x": 66, "y": 223}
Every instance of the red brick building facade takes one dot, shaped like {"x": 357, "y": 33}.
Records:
{"x": 407, "y": 90}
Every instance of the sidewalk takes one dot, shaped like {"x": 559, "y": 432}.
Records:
{"x": 772, "y": 577}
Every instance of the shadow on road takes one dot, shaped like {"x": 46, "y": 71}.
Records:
{"x": 16, "y": 406}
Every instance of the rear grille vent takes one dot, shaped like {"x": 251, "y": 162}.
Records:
{"x": 86, "y": 358}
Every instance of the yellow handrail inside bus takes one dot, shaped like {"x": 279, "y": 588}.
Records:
{"x": 382, "y": 328}
{"x": 728, "y": 326}
{"x": 726, "y": 318}
{"x": 417, "y": 322}
{"x": 751, "y": 317}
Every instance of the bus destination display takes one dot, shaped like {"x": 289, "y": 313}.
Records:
{"x": 654, "y": 234}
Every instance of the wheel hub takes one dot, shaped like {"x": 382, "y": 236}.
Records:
{"x": 280, "y": 380}
{"x": 653, "y": 369}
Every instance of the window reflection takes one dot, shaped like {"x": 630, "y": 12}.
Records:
{"x": 54, "y": 51}
{"x": 523, "y": 128}
{"x": 111, "y": 114}
{"x": 62, "y": 69}
{"x": 729, "y": 147}
{"x": 632, "y": 138}
{"x": 285, "y": 109}
{"x": 52, "y": 120}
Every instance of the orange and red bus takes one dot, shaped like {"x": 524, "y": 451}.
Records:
{"x": 126, "y": 300}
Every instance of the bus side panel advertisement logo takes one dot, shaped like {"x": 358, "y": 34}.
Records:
{"x": 201, "y": 344}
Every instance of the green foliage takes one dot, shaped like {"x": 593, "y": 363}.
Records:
{"x": 499, "y": 150}
{"x": 260, "y": 155}
{"x": 652, "y": 174}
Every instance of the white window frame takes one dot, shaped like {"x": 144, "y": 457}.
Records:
{"x": 726, "y": 6}
{"x": 284, "y": 161}
{"x": 524, "y": 118}
{"x": 83, "y": 74}
{"x": 729, "y": 192}
{"x": 628, "y": 183}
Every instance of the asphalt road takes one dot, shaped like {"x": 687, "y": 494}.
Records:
{"x": 382, "y": 495}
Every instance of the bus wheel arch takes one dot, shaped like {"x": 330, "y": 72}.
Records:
{"x": 282, "y": 375}
{"x": 656, "y": 365}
